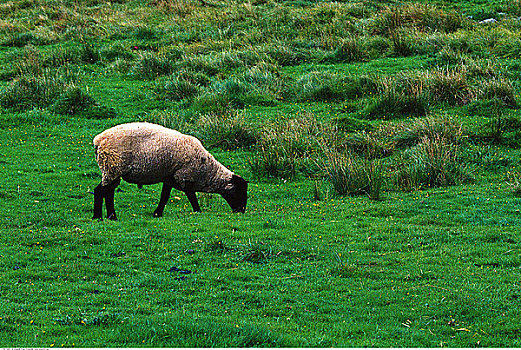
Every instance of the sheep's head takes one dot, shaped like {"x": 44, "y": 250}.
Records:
{"x": 236, "y": 194}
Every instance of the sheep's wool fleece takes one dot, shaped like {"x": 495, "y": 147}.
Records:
{"x": 146, "y": 153}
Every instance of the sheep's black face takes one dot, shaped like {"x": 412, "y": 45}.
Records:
{"x": 237, "y": 195}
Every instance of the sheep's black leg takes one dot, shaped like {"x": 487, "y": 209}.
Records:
{"x": 109, "y": 199}
{"x": 165, "y": 195}
{"x": 98, "y": 201}
{"x": 193, "y": 200}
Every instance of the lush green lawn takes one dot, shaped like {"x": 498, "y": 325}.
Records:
{"x": 304, "y": 266}
{"x": 428, "y": 268}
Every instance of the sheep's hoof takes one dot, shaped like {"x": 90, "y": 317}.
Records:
{"x": 112, "y": 217}
{"x": 158, "y": 215}
{"x": 99, "y": 218}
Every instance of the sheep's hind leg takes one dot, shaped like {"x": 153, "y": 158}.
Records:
{"x": 109, "y": 199}
{"x": 193, "y": 200}
{"x": 165, "y": 195}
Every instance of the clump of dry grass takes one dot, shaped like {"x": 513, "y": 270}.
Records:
{"x": 292, "y": 146}
{"x": 227, "y": 131}
{"x": 410, "y": 133}
{"x": 451, "y": 86}
{"x": 434, "y": 162}
{"x": 421, "y": 17}
{"x": 353, "y": 175}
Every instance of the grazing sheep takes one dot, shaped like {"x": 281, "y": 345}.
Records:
{"x": 144, "y": 154}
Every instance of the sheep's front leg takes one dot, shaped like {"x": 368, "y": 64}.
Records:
{"x": 165, "y": 195}
{"x": 193, "y": 200}
{"x": 109, "y": 199}
{"x": 98, "y": 201}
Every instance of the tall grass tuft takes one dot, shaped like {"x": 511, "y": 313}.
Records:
{"x": 180, "y": 119}
{"x": 211, "y": 102}
{"x": 410, "y": 133}
{"x": 288, "y": 54}
{"x": 257, "y": 85}
{"x": 320, "y": 86}
{"x": 402, "y": 96}
{"x": 418, "y": 16}
{"x": 116, "y": 50}
{"x": 433, "y": 163}
{"x": 30, "y": 91}
{"x": 273, "y": 161}
{"x": 151, "y": 66}
{"x": 451, "y": 86}
{"x": 500, "y": 123}
{"x": 228, "y": 131}
{"x": 369, "y": 144}
{"x": 290, "y": 147}
{"x": 178, "y": 88}
{"x": 89, "y": 54}
{"x": 500, "y": 89}
{"x": 402, "y": 43}
{"x": 514, "y": 182}
{"x": 350, "y": 50}
{"x": 352, "y": 175}
{"x": 203, "y": 64}
{"x": 72, "y": 101}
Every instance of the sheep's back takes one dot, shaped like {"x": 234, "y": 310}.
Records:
{"x": 146, "y": 153}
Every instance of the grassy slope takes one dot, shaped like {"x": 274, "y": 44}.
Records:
{"x": 429, "y": 268}
{"x": 420, "y": 269}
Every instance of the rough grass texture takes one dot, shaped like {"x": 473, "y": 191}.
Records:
{"x": 381, "y": 142}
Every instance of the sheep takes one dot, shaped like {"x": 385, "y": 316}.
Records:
{"x": 145, "y": 153}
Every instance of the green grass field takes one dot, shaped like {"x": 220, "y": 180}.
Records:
{"x": 381, "y": 142}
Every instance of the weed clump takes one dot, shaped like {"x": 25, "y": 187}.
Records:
{"x": 411, "y": 133}
{"x": 289, "y": 147}
{"x": 32, "y": 91}
{"x": 255, "y": 253}
{"x": 150, "y": 66}
{"x": 500, "y": 89}
{"x": 72, "y": 101}
{"x": 319, "y": 86}
{"x": 434, "y": 162}
{"x": 450, "y": 86}
{"x": 351, "y": 50}
{"x": 217, "y": 246}
{"x": 178, "y": 88}
{"x": 352, "y": 175}
{"x": 229, "y": 131}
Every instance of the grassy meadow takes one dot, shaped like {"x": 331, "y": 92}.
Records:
{"x": 382, "y": 144}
